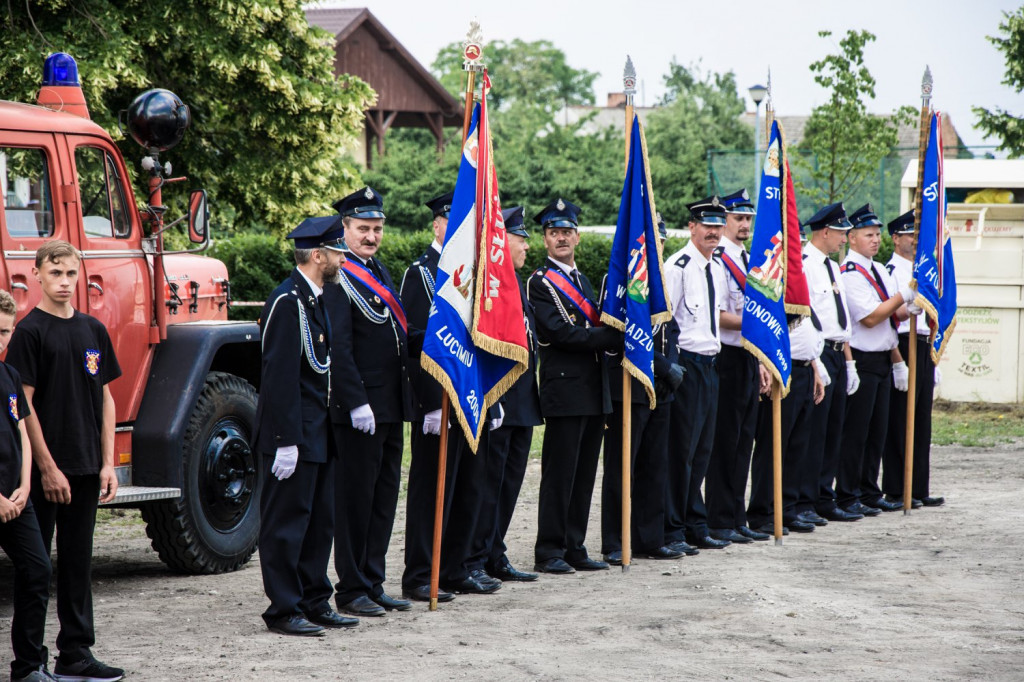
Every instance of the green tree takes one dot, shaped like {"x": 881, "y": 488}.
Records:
{"x": 269, "y": 117}
{"x": 700, "y": 112}
{"x": 535, "y": 72}
{"x": 845, "y": 142}
{"x": 999, "y": 122}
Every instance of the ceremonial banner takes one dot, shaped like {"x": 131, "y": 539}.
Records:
{"x": 475, "y": 367}
{"x": 635, "y": 290}
{"x": 765, "y": 330}
{"x": 933, "y": 262}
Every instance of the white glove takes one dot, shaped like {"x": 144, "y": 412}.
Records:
{"x": 496, "y": 422}
{"x": 908, "y": 293}
{"x": 901, "y": 376}
{"x": 852, "y": 378}
{"x": 432, "y": 423}
{"x": 938, "y": 375}
{"x": 913, "y": 308}
{"x": 819, "y": 366}
{"x": 285, "y": 460}
{"x": 362, "y": 419}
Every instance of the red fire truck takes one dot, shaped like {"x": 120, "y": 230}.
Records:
{"x": 186, "y": 402}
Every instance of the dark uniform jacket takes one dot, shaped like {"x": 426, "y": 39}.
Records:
{"x": 417, "y": 296}
{"x": 522, "y": 401}
{"x": 369, "y": 347}
{"x": 666, "y": 353}
{"x": 292, "y": 406}
{"x": 572, "y": 365}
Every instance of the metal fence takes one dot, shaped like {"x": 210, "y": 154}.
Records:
{"x": 730, "y": 169}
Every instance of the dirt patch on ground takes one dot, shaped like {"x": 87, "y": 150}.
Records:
{"x": 936, "y": 595}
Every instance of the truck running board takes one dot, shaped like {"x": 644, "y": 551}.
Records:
{"x": 133, "y": 494}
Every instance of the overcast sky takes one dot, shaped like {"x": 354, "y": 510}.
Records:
{"x": 743, "y": 36}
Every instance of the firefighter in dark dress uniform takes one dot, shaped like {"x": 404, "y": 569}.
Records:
{"x": 371, "y": 398}
{"x": 293, "y": 434}
{"x": 573, "y": 392}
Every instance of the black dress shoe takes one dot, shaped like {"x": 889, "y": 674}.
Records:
{"x": 933, "y": 501}
{"x": 470, "y": 585}
{"x": 553, "y": 565}
{"x": 812, "y": 517}
{"x": 684, "y": 547}
{"x": 588, "y": 564}
{"x": 422, "y": 593}
{"x": 863, "y": 509}
{"x": 752, "y": 534}
{"x": 613, "y": 558}
{"x": 362, "y": 606}
{"x": 884, "y": 505}
{"x": 332, "y": 619}
{"x": 296, "y": 625}
{"x": 898, "y": 499}
{"x": 661, "y": 553}
{"x": 769, "y": 528}
{"x": 798, "y": 526}
{"x": 729, "y": 535}
{"x": 839, "y": 514}
{"x": 708, "y": 542}
{"x": 508, "y": 572}
{"x": 390, "y": 603}
{"x": 481, "y": 576}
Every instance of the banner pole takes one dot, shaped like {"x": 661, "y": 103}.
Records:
{"x": 908, "y": 451}
{"x": 472, "y": 51}
{"x": 777, "y": 458}
{"x": 629, "y": 89}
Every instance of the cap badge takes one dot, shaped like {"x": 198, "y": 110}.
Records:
{"x": 560, "y": 205}
{"x": 368, "y": 193}
{"x": 714, "y": 201}
{"x": 744, "y": 194}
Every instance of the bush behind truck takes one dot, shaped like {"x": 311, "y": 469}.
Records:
{"x": 186, "y": 402}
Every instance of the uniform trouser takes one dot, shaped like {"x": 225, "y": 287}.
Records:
{"x": 691, "y": 436}
{"x": 569, "y": 456}
{"x": 726, "y": 484}
{"x": 296, "y": 530}
{"x": 895, "y": 441}
{"x": 816, "y": 487}
{"x": 21, "y": 540}
{"x": 796, "y": 433}
{"x": 463, "y": 538}
{"x": 74, "y": 524}
{"x": 867, "y": 420}
{"x": 510, "y": 445}
{"x": 421, "y": 499}
{"x": 650, "y": 463}
{"x": 366, "y": 491}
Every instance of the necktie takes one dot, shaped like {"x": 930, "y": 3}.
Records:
{"x": 576, "y": 279}
{"x": 711, "y": 299}
{"x": 746, "y": 261}
{"x": 840, "y": 313}
{"x": 815, "y": 321}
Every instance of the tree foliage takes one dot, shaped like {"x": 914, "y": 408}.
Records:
{"x": 268, "y": 116}
{"x": 845, "y": 142}
{"x": 700, "y": 112}
{"x": 999, "y": 122}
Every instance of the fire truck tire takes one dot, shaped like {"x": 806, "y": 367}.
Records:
{"x": 214, "y": 526}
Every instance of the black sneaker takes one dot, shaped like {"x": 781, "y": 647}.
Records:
{"x": 86, "y": 670}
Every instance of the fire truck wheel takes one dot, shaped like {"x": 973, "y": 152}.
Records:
{"x": 214, "y": 526}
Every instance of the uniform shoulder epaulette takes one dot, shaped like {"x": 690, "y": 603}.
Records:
{"x": 805, "y": 256}
{"x": 890, "y": 267}
{"x": 682, "y": 261}
{"x": 719, "y": 250}
{"x": 850, "y": 267}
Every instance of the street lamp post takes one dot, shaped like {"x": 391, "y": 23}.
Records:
{"x": 757, "y": 93}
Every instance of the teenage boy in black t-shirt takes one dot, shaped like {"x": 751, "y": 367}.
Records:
{"x": 66, "y": 362}
{"x": 19, "y": 528}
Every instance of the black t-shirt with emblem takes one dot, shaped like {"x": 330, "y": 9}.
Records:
{"x": 16, "y": 409}
{"x": 68, "y": 361}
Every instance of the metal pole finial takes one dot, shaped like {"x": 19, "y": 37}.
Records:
{"x": 926, "y": 84}
{"x": 629, "y": 77}
{"x": 472, "y": 48}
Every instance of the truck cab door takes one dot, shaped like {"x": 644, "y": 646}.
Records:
{"x": 115, "y": 271}
{"x": 35, "y": 193}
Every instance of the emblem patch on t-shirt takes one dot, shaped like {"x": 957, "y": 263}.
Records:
{"x": 92, "y": 361}
{"x": 12, "y": 405}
